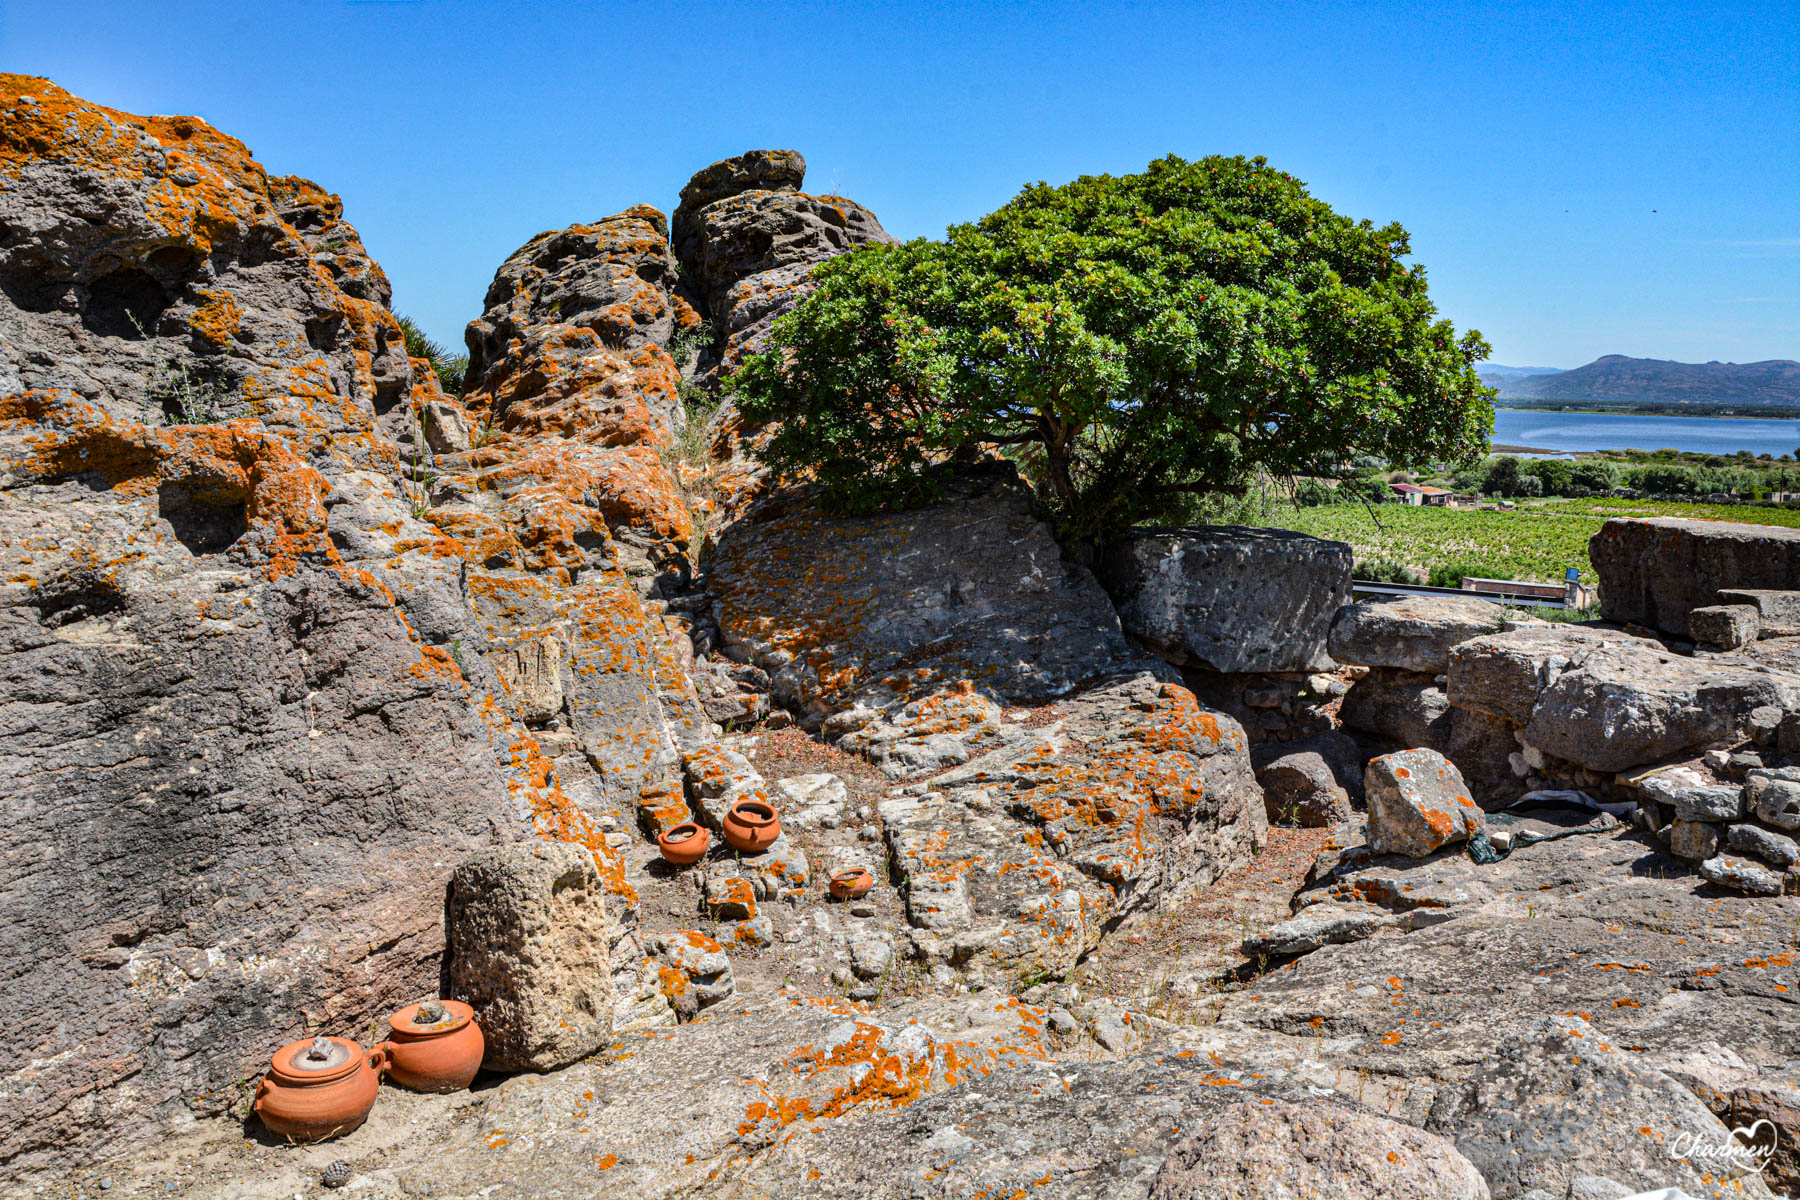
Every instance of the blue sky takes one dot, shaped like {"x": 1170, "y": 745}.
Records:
{"x": 1580, "y": 179}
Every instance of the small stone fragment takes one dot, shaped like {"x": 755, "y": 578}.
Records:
{"x": 1741, "y": 875}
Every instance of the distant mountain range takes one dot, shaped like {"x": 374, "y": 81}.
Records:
{"x": 1617, "y": 379}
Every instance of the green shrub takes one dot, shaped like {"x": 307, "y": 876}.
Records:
{"x": 449, "y": 368}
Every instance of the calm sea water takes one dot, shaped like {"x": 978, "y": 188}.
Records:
{"x": 1607, "y": 431}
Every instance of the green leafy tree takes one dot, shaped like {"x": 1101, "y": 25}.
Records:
{"x": 1555, "y": 474}
{"x": 1130, "y": 341}
{"x": 1503, "y": 476}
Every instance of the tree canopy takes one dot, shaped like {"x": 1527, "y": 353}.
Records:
{"x": 1132, "y": 341}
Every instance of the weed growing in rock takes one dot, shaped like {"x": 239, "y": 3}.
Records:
{"x": 184, "y": 397}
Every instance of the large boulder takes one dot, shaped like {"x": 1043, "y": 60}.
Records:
{"x": 974, "y": 588}
{"x": 1229, "y": 597}
{"x": 1654, "y": 571}
{"x": 1608, "y": 701}
{"x": 529, "y": 952}
{"x": 1017, "y": 861}
{"x": 1411, "y": 633}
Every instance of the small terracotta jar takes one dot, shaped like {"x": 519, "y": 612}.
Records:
{"x": 852, "y": 883}
{"x": 751, "y": 826}
{"x": 435, "y": 1046}
{"x": 685, "y": 844}
{"x": 318, "y": 1088}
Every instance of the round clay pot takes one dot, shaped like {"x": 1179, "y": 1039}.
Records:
{"x": 851, "y": 884}
{"x": 319, "y": 1087}
{"x": 685, "y": 844}
{"x": 435, "y": 1046}
{"x": 751, "y": 825}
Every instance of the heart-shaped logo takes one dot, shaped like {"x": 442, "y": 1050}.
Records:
{"x": 1760, "y": 1138}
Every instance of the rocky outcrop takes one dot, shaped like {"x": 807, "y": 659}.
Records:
{"x": 1654, "y": 571}
{"x": 1229, "y": 597}
{"x": 287, "y": 633}
{"x": 153, "y": 269}
{"x": 528, "y": 943}
{"x": 747, "y": 237}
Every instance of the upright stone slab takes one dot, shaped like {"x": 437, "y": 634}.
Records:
{"x": 529, "y": 951}
{"x": 1229, "y": 597}
{"x": 1655, "y": 571}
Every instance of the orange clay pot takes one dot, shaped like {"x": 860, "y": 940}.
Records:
{"x": 435, "y": 1046}
{"x": 851, "y": 884}
{"x": 320, "y": 1087}
{"x": 685, "y": 844}
{"x": 751, "y": 826}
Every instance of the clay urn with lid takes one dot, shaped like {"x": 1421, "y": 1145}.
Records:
{"x": 685, "y": 844}
{"x": 319, "y": 1088}
{"x": 435, "y": 1046}
{"x": 751, "y": 826}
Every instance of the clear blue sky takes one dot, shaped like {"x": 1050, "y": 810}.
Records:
{"x": 1579, "y": 179}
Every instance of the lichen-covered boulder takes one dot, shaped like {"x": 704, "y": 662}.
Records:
{"x": 529, "y": 952}
{"x": 1418, "y": 803}
{"x": 973, "y": 589}
{"x": 1229, "y": 597}
{"x": 1133, "y": 799}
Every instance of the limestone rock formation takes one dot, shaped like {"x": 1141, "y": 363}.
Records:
{"x": 528, "y": 950}
{"x": 1655, "y": 571}
{"x": 1229, "y": 597}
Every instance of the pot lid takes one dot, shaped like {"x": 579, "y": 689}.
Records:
{"x": 318, "y": 1060}
{"x": 432, "y": 1017}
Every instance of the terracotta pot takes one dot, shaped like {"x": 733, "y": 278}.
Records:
{"x": 685, "y": 844}
{"x": 751, "y": 825}
{"x": 435, "y": 1046}
{"x": 851, "y": 884}
{"x": 319, "y": 1087}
